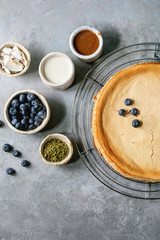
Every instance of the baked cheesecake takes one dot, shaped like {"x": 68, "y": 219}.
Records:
{"x": 127, "y": 134}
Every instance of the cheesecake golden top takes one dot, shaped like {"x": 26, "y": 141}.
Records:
{"x": 130, "y": 149}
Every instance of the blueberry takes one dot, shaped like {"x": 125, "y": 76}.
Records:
{"x": 13, "y": 117}
{"x": 24, "y": 113}
{"x": 1, "y": 123}
{"x": 42, "y": 114}
{"x": 19, "y": 125}
{"x": 35, "y": 103}
{"x": 127, "y": 102}
{"x": 134, "y": 111}
{"x": 37, "y": 119}
{"x": 31, "y": 121}
{"x": 10, "y": 171}
{"x": 7, "y": 148}
{"x": 32, "y": 115}
{"x": 25, "y": 117}
{"x": 13, "y": 111}
{"x": 135, "y": 123}
{"x": 22, "y": 98}
{"x": 25, "y": 163}
{"x": 31, "y": 127}
{"x": 28, "y": 105}
{"x": 14, "y": 121}
{"x": 36, "y": 124}
{"x": 121, "y": 112}
{"x": 24, "y": 127}
{"x": 16, "y": 153}
{"x": 15, "y": 103}
{"x": 44, "y": 108}
{"x": 24, "y": 121}
{"x": 39, "y": 107}
{"x": 30, "y": 97}
{"x": 33, "y": 110}
{"x": 23, "y": 107}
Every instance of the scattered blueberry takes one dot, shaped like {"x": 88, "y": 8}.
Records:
{"x": 25, "y": 163}
{"x": 1, "y": 123}
{"x": 15, "y": 103}
{"x": 13, "y": 111}
{"x": 121, "y": 112}
{"x": 134, "y": 111}
{"x": 30, "y": 97}
{"x": 22, "y": 98}
{"x": 7, "y": 148}
{"x": 127, "y": 102}
{"x": 10, "y": 171}
{"x": 135, "y": 123}
{"x": 16, "y": 153}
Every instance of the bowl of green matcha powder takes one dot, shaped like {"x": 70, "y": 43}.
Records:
{"x": 56, "y": 149}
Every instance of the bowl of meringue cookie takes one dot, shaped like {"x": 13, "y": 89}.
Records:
{"x": 14, "y": 59}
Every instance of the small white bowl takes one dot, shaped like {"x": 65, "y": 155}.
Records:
{"x": 43, "y": 124}
{"x": 96, "y": 54}
{"x": 68, "y": 81}
{"x": 64, "y": 139}
{"x": 26, "y": 52}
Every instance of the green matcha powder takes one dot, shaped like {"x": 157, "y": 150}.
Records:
{"x": 55, "y": 150}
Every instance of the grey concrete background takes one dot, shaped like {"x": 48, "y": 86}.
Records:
{"x": 67, "y": 202}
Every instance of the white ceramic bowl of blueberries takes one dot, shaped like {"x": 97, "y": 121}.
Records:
{"x": 27, "y": 112}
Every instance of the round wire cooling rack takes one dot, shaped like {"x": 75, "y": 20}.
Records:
{"x": 82, "y": 112}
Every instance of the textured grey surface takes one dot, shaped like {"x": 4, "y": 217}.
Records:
{"x": 67, "y": 202}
